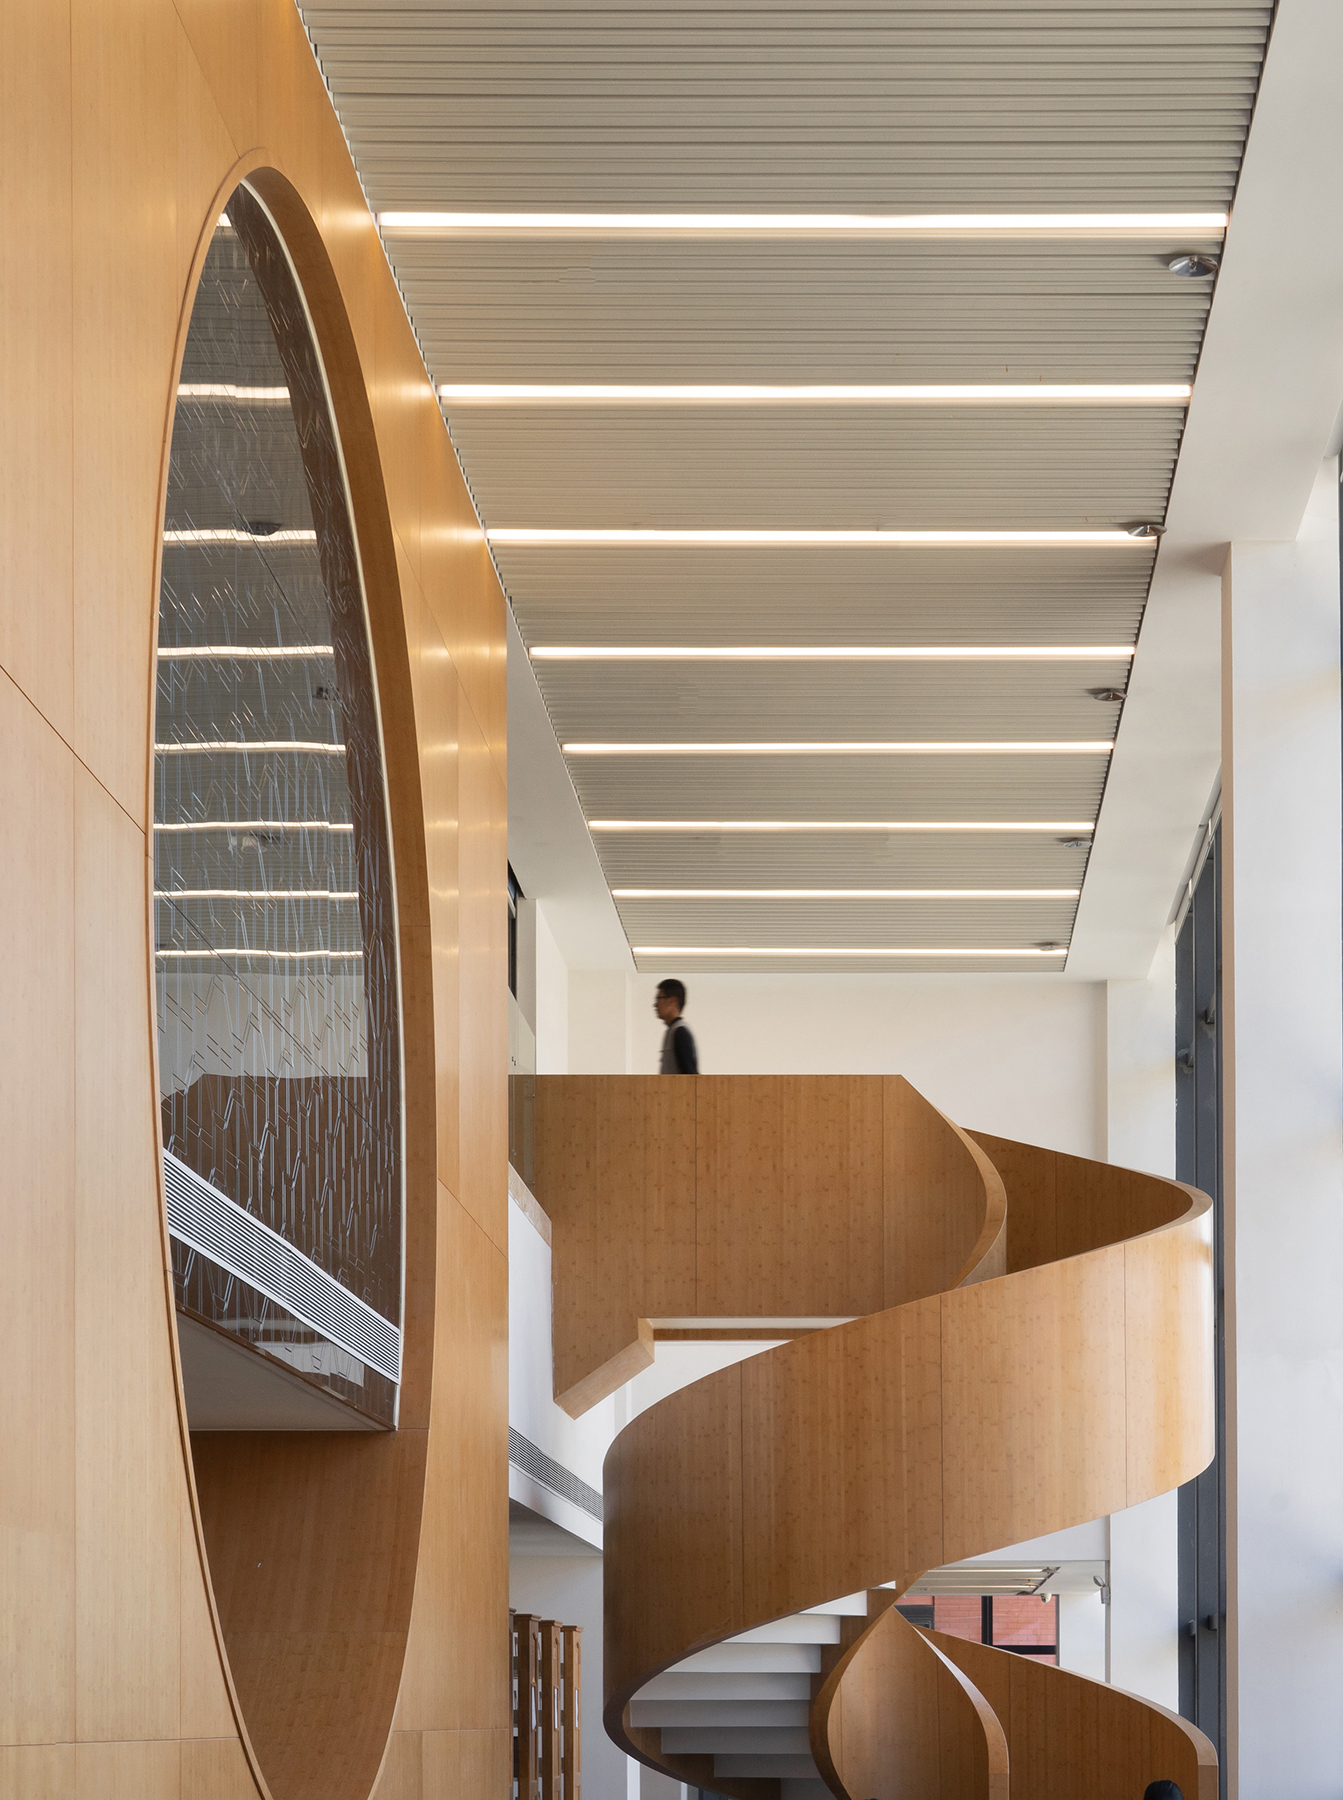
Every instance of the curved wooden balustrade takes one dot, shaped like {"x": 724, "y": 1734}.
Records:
{"x": 994, "y": 1384}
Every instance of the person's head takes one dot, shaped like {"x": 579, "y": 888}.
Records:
{"x": 1162, "y": 1790}
{"x": 669, "y": 1000}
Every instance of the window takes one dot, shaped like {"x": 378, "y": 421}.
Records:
{"x": 1198, "y": 1160}
{"x": 274, "y": 923}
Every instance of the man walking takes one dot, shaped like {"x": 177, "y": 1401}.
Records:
{"x": 678, "y": 1046}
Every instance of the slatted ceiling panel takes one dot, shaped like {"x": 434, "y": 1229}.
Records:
{"x": 771, "y": 310}
{"x": 844, "y": 107}
{"x": 954, "y": 468}
{"x": 838, "y": 859}
{"x": 688, "y": 965}
{"x": 740, "y": 701}
{"x": 1004, "y": 924}
{"x": 814, "y": 594}
{"x": 835, "y": 787}
{"x": 962, "y": 105}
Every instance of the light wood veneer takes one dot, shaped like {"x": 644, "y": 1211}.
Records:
{"x": 131, "y": 1661}
{"x": 1036, "y": 1352}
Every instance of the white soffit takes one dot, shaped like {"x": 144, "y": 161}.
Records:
{"x": 1267, "y": 395}
{"x": 1071, "y": 107}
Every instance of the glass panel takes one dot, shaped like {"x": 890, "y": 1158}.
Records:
{"x": 279, "y": 1054}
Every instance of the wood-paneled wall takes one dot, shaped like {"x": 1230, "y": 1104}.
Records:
{"x": 1067, "y": 1736}
{"x": 123, "y": 123}
{"x": 809, "y": 1196}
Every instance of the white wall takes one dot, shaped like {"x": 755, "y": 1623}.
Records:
{"x": 551, "y": 1021}
{"x": 1022, "y": 1056}
{"x": 578, "y": 1444}
{"x": 1283, "y": 1146}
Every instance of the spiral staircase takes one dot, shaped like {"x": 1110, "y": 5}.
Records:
{"x": 1025, "y": 1346}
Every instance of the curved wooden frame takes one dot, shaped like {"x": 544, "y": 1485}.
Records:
{"x": 308, "y": 1542}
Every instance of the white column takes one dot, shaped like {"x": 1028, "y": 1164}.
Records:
{"x": 1142, "y": 1648}
{"x": 1283, "y": 1097}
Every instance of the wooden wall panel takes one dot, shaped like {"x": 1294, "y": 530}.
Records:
{"x": 216, "y": 1769}
{"x": 689, "y": 1542}
{"x": 128, "y": 1771}
{"x": 1016, "y": 1466}
{"x": 36, "y": 254}
{"x": 615, "y": 1171}
{"x": 483, "y": 1058}
{"x": 896, "y": 1717}
{"x": 436, "y": 704}
{"x": 127, "y": 1521}
{"x": 127, "y": 300}
{"x": 805, "y": 1151}
{"x": 38, "y": 1772}
{"x": 37, "y": 1098}
{"x": 456, "y": 1672}
{"x": 1068, "y": 1736}
{"x": 878, "y": 1484}
{"x": 123, "y": 122}
{"x": 935, "y": 1219}
{"x": 475, "y": 1763}
{"x": 1169, "y": 1401}
{"x": 730, "y": 1196}
{"x": 401, "y": 1776}
{"x": 206, "y": 1707}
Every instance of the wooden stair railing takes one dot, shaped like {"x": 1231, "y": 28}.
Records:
{"x": 997, "y": 1381}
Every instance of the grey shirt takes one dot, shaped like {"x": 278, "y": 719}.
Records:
{"x": 678, "y": 1051}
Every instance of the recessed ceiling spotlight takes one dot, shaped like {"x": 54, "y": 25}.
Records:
{"x": 1192, "y": 265}
{"x": 1145, "y": 528}
{"x": 1074, "y": 843}
{"x": 1107, "y": 693}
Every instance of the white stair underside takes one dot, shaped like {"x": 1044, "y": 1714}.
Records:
{"x": 746, "y": 1702}
{"x": 753, "y": 1713}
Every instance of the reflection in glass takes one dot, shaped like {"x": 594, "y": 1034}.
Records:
{"x": 279, "y": 1042}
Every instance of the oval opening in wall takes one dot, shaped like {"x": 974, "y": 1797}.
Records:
{"x": 279, "y": 1024}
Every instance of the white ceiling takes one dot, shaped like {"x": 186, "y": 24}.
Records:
{"x": 903, "y": 108}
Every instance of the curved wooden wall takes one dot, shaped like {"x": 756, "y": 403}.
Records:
{"x": 985, "y": 1409}
{"x": 1068, "y": 1737}
{"x": 133, "y": 1662}
{"x": 897, "y": 1717}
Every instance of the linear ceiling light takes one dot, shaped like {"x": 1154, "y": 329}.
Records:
{"x": 543, "y": 534}
{"x": 252, "y": 894}
{"x": 688, "y": 950}
{"x": 228, "y": 390}
{"x": 1071, "y": 827}
{"x": 230, "y": 534}
{"x": 788, "y": 224}
{"x": 253, "y": 825}
{"x": 834, "y": 652}
{"x": 845, "y": 893}
{"x": 536, "y": 393}
{"x": 245, "y": 744}
{"x": 243, "y": 652}
{"x": 1090, "y": 747}
{"x": 267, "y": 955}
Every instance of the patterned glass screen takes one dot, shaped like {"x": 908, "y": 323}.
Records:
{"x": 275, "y": 944}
